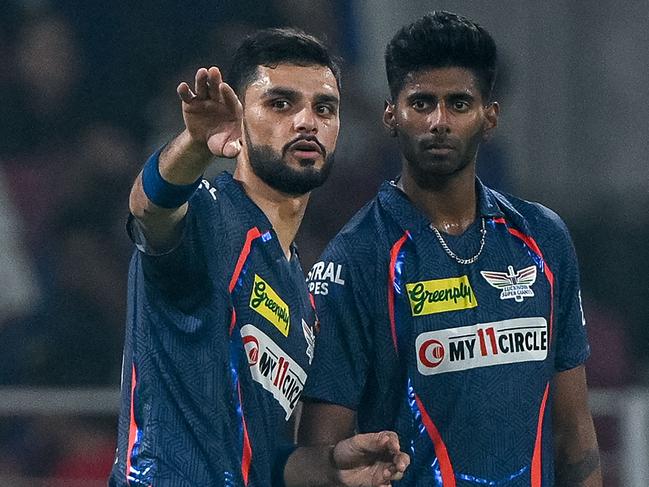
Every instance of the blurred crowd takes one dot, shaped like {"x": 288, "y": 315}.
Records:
{"x": 85, "y": 94}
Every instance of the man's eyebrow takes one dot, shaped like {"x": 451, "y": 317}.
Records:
{"x": 279, "y": 91}
{"x": 324, "y": 98}
{"x": 291, "y": 94}
{"x": 420, "y": 95}
{"x": 427, "y": 96}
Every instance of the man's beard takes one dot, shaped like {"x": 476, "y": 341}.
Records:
{"x": 273, "y": 170}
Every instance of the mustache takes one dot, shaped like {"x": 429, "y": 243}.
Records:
{"x": 438, "y": 141}
{"x": 305, "y": 138}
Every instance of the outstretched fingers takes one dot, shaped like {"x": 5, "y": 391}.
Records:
{"x": 214, "y": 83}
{"x": 200, "y": 84}
{"x": 185, "y": 92}
{"x": 207, "y": 83}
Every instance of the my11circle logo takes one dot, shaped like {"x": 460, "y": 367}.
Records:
{"x": 482, "y": 345}
{"x": 431, "y": 353}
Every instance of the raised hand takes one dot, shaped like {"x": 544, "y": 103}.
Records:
{"x": 212, "y": 112}
{"x": 369, "y": 460}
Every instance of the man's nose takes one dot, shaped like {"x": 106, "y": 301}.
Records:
{"x": 306, "y": 121}
{"x": 439, "y": 120}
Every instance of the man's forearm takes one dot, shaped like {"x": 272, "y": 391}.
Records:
{"x": 582, "y": 472}
{"x": 310, "y": 466}
{"x": 184, "y": 159}
{"x": 181, "y": 162}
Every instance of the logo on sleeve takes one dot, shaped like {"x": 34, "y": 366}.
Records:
{"x": 514, "y": 284}
{"x": 482, "y": 345}
{"x": 265, "y": 301}
{"x": 322, "y": 274}
{"x": 440, "y": 295}
{"x": 273, "y": 368}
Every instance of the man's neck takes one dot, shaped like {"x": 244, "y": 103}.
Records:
{"x": 450, "y": 204}
{"x": 284, "y": 212}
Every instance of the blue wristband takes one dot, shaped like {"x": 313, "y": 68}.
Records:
{"x": 161, "y": 192}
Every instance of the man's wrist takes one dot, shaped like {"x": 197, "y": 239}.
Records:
{"x": 333, "y": 473}
{"x": 160, "y": 191}
{"x": 184, "y": 159}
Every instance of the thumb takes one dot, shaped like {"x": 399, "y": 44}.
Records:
{"x": 230, "y": 149}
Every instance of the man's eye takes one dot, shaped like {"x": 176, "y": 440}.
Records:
{"x": 461, "y": 106}
{"x": 420, "y": 105}
{"x": 324, "y": 110}
{"x": 280, "y": 104}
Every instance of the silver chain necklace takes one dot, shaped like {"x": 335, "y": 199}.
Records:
{"x": 452, "y": 255}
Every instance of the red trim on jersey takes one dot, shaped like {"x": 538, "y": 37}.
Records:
{"x": 132, "y": 430}
{"x": 445, "y": 465}
{"x": 531, "y": 243}
{"x": 536, "y": 472}
{"x": 536, "y": 458}
{"x": 246, "y": 454}
{"x": 252, "y": 234}
{"x": 394, "y": 253}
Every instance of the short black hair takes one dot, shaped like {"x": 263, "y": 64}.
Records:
{"x": 438, "y": 40}
{"x": 274, "y": 46}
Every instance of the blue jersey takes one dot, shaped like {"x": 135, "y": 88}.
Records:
{"x": 458, "y": 359}
{"x": 219, "y": 339}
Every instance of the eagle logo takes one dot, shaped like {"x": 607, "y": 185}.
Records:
{"x": 513, "y": 284}
{"x": 310, "y": 340}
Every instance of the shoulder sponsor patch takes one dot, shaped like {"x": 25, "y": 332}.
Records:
{"x": 265, "y": 301}
{"x": 273, "y": 368}
{"x": 322, "y": 274}
{"x": 482, "y": 345}
{"x": 513, "y": 284}
{"x": 440, "y": 295}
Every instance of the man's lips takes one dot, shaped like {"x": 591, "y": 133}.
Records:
{"x": 305, "y": 146}
{"x": 439, "y": 147}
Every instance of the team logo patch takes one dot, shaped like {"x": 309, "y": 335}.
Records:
{"x": 309, "y": 336}
{"x": 482, "y": 345}
{"x": 513, "y": 284}
{"x": 273, "y": 368}
{"x": 268, "y": 304}
{"x": 439, "y": 295}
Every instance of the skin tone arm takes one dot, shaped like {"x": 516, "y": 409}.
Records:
{"x": 327, "y": 424}
{"x": 365, "y": 460}
{"x": 575, "y": 444}
{"x": 213, "y": 126}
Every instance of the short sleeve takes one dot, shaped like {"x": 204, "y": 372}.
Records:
{"x": 572, "y": 347}
{"x": 179, "y": 276}
{"x": 340, "y": 363}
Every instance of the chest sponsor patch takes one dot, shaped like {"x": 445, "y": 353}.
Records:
{"x": 440, "y": 295}
{"x": 482, "y": 345}
{"x": 513, "y": 284}
{"x": 273, "y": 368}
{"x": 265, "y": 301}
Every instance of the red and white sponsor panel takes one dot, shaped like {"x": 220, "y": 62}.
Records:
{"x": 273, "y": 368}
{"x": 482, "y": 345}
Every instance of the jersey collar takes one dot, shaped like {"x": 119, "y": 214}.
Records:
{"x": 233, "y": 188}
{"x": 413, "y": 220}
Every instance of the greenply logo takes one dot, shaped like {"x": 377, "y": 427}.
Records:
{"x": 265, "y": 301}
{"x": 440, "y": 295}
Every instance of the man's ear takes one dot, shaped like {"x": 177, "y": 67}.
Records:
{"x": 388, "y": 119}
{"x": 490, "y": 120}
